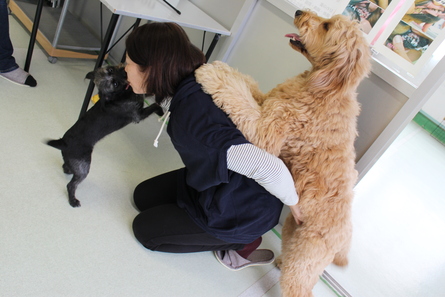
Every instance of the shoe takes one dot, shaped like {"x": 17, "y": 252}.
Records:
{"x": 233, "y": 261}
{"x": 20, "y": 77}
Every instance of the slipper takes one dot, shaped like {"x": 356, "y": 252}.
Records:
{"x": 233, "y": 261}
{"x": 19, "y": 77}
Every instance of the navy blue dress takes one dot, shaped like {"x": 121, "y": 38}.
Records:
{"x": 225, "y": 204}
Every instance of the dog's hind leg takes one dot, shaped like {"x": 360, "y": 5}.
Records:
{"x": 341, "y": 257}
{"x": 66, "y": 163}
{"x": 304, "y": 256}
{"x": 80, "y": 169}
{"x": 66, "y": 169}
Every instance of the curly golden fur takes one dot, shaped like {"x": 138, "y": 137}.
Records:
{"x": 309, "y": 121}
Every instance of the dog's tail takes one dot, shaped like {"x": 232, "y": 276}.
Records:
{"x": 57, "y": 143}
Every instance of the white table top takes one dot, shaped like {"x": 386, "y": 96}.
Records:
{"x": 157, "y": 10}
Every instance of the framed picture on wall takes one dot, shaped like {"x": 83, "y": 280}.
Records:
{"x": 406, "y": 36}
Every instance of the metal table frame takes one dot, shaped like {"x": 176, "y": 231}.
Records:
{"x": 122, "y": 10}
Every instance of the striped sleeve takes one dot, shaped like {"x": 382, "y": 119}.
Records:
{"x": 266, "y": 169}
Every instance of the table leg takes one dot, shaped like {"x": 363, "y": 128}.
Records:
{"x": 60, "y": 23}
{"x": 32, "y": 40}
{"x": 212, "y": 46}
{"x": 100, "y": 60}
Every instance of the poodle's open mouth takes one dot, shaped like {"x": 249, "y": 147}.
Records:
{"x": 295, "y": 40}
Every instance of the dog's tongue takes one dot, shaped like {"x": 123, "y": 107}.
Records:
{"x": 293, "y": 36}
{"x": 127, "y": 87}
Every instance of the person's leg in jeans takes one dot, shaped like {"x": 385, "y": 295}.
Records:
{"x": 7, "y": 61}
{"x": 8, "y": 66}
{"x": 163, "y": 226}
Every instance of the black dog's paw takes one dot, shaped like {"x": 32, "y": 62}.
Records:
{"x": 74, "y": 202}
{"x": 159, "y": 111}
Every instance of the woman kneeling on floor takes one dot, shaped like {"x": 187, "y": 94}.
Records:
{"x": 230, "y": 192}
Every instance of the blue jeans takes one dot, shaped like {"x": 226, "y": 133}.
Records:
{"x": 7, "y": 61}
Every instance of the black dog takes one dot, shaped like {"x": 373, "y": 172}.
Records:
{"x": 118, "y": 106}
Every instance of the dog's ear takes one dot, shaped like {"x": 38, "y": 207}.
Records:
{"x": 90, "y": 75}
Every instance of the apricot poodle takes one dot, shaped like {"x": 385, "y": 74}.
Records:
{"x": 309, "y": 121}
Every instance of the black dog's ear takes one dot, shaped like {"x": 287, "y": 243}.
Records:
{"x": 90, "y": 75}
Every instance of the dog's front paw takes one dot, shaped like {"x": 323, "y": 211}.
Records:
{"x": 74, "y": 202}
{"x": 230, "y": 90}
{"x": 212, "y": 77}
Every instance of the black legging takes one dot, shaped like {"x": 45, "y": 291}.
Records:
{"x": 163, "y": 226}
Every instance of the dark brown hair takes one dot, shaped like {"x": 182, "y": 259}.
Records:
{"x": 164, "y": 52}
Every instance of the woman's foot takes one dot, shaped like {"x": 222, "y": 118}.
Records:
{"x": 246, "y": 257}
{"x": 233, "y": 261}
{"x": 20, "y": 77}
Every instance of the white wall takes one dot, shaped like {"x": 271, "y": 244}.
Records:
{"x": 224, "y": 12}
{"x": 435, "y": 107}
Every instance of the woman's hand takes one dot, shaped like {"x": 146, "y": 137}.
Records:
{"x": 296, "y": 212}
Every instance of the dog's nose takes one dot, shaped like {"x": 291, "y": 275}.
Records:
{"x": 298, "y": 13}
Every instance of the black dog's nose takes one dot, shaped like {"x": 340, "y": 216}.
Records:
{"x": 298, "y": 13}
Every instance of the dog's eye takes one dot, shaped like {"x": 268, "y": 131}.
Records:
{"x": 115, "y": 83}
{"x": 326, "y": 26}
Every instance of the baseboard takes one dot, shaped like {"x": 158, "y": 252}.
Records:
{"x": 436, "y": 129}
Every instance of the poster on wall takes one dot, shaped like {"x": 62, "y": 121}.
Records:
{"x": 406, "y": 36}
